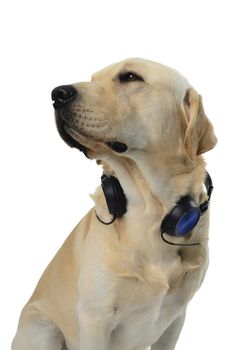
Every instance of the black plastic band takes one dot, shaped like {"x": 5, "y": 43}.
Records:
{"x": 209, "y": 187}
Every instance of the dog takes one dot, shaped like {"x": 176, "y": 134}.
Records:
{"x": 115, "y": 284}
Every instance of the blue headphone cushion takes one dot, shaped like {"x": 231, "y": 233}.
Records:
{"x": 183, "y": 218}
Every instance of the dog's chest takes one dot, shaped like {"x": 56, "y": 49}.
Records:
{"x": 144, "y": 308}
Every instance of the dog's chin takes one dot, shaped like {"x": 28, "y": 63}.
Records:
{"x": 68, "y": 136}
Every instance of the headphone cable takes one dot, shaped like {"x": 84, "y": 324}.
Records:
{"x": 178, "y": 244}
{"x": 103, "y": 222}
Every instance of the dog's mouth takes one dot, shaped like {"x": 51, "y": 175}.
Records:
{"x": 81, "y": 141}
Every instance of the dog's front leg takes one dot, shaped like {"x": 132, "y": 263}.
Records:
{"x": 94, "y": 335}
{"x": 168, "y": 339}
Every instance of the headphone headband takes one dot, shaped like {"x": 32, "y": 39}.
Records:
{"x": 179, "y": 222}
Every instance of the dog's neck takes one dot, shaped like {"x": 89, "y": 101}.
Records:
{"x": 152, "y": 187}
{"x": 168, "y": 180}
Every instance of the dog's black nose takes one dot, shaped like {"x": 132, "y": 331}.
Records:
{"x": 63, "y": 94}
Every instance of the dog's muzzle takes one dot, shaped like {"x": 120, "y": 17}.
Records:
{"x": 62, "y": 96}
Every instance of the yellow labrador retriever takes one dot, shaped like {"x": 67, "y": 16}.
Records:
{"x": 115, "y": 284}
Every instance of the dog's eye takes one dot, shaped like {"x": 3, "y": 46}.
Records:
{"x": 127, "y": 77}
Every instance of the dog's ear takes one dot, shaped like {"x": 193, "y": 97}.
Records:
{"x": 199, "y": 134}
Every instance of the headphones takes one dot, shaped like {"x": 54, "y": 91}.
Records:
{"x": 178, "y": 222}
{"x": 115, "y": 197}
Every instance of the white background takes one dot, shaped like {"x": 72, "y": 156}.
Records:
{"x": 45, "y": 185}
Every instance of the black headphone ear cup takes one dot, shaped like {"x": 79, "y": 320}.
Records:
{"x": 115, "y": 197}
{"x": 182, "y": 219}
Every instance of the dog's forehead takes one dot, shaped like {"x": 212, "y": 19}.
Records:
{"x": 154, "y": 73}
{"x": 136, "y": 65}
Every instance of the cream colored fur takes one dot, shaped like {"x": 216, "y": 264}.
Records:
{"x": 120, "y": 287}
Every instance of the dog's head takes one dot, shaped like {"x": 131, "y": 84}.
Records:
{"x": 134, "y": 108}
